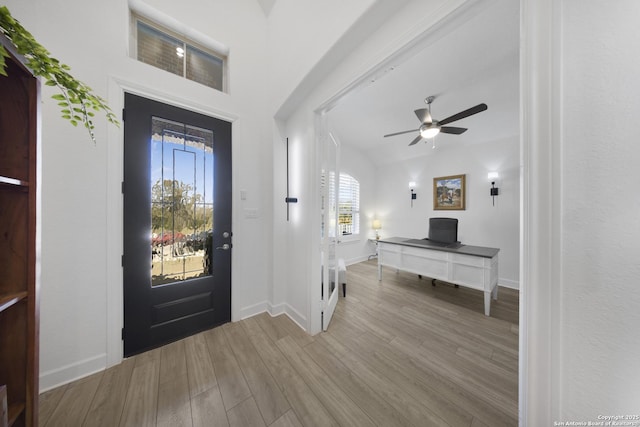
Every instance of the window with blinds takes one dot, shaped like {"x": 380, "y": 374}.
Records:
{"x": 348, "y": 204}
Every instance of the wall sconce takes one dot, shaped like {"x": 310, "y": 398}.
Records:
{"x": 376, "y": 225}
{"x": 289, "y": 199}
{"x": 493, "y": 191}
{"x": 414, "y": 195}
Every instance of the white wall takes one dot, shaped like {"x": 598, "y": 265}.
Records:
{"x": 580, "y": 222}
{"x": 311, "y": 33}
{"x": 293, "y": 241}
{"x": 81, "y": 290}
{"x": 481, "y": 223}
{"x": 600, "y": 212}
{"x": 297, "y": 256}
{"x": 384, "y": 194}
{"x": 305, "y": 31}
{"x": 301, "y": 34}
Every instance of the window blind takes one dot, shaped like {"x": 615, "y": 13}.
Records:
{"x": 348, "y": 205}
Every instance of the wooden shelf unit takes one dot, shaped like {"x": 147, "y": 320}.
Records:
{"x": 19, "y": 142}
{"x": 6, "y": 301}
{"x": 5, "y": 180}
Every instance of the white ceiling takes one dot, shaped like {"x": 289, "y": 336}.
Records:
{"x": 266, "y": 6}
{"x": 475, "y": 62}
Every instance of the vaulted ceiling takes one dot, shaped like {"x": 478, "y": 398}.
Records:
{"x": 469, "y": 63}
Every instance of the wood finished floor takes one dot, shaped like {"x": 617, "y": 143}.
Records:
{"x": 399, "y": 353}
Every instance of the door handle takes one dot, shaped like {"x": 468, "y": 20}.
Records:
{"x": 224, "y": 247}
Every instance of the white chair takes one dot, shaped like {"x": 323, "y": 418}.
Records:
{"x": 342, "y": 276}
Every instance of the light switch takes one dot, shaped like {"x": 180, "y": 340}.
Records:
{"x": 251, "y": 213}
{"x": 243, "y": 194}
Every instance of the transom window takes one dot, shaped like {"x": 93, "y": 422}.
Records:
{"x": 158, "y": 46}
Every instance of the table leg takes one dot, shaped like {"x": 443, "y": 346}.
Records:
{"x": 379, "y": 272}
{"x": 495, "y": 292}
{"x": 487, "y": 302}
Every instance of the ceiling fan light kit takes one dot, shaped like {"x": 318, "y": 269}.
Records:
{"x": 429, "y": 131}
{"x": 430, "y": 128}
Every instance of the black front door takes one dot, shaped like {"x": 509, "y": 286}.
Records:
{"x": 177, "y": 223}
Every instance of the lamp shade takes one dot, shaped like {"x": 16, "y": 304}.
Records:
{"x": 376, "y": 224}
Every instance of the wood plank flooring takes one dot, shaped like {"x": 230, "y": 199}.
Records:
{"x": 398, "y": 353}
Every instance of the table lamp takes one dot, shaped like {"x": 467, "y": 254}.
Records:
{"x": 376, "y": 225}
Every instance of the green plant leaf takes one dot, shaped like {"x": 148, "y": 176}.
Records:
{"x": 54, "y": 73}
{"x": 3, "y": 64}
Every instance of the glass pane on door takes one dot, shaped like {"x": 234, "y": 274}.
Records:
{"x": 181, "y": 202}
{"x": 332, "y": 207}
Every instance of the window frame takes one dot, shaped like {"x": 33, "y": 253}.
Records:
{"x": 186, "y": 42}
{"x": 354, "y": 198}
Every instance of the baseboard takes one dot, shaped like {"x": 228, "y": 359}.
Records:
{"x": 511, "y": 284}
{"x": 291, "y": 313}
{"x": 356, "y": 260}
{"x": 66, "y": 374}
{"x": 274, "y": 310}
{"x": 253, "y": 310}
{"x": 278, "y": 309}
{"x": 297, "y": 317}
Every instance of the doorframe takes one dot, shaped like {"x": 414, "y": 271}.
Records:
{"x": 541, "y": 149}
{"x": 325, "y": 305}
{"x": 116, "y": 88}
{"x": 540, "y": 344}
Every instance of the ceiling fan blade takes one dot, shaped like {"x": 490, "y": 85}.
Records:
{"x": 415, "y": 141}
{"x": 466, "y": 113}
{"x": 453, "y": 130}
{"x": 424, "y": 115}
{"x": 402, "y": 133}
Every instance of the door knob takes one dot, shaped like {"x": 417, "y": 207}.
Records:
{"x": 224, "y": 247}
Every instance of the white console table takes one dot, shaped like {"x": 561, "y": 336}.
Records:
{"x": 474, "y": 267}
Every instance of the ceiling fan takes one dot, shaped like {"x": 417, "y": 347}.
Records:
{"x": 431, "y": 128}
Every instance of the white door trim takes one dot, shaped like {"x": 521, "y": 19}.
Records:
{"x": 115, "y": 167}
{"x": 540, "y": 210}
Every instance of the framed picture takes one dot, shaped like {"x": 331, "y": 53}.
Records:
{"x": 449, "y": 193}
